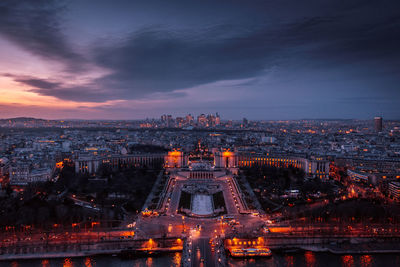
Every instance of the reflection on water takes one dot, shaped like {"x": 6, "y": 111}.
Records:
{"x": 347, "y": 261}
{"x": 45, "y": 263}
{"x": 149, "y": 262}
{"x": 313, "y": 259}
{"x": 366, "y": 260}
{"x": 177, "y": 259}
{"x": 289, "y": 261}
{"x": 310, "y": 258}
{"x": 306, "y": 259}
{"x": 89, "y": 262}
{"x": 68, "y": 262}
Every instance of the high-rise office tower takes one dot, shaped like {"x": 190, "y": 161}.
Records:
{"x": 217, "y": 119}
{"x": 202, "y": 120}
{"x": 245, "y": 122}
{"x": 189, "y": 119}
{"x": 378, "y": 124}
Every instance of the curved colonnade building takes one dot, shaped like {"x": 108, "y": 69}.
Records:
{"x": 312, "y": 166}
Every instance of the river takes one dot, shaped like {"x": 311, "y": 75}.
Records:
{"x": 306, "y": 259}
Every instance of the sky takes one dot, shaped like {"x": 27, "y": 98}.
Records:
{"x": 269, "y": 60}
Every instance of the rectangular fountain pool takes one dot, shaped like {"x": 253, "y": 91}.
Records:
{"x": 202, "y": 204}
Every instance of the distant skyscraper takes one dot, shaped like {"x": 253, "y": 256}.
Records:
{"x": 245, "y": 122}
{"x": 378, "y": 124}
{"x": 211, "y": 120}
{"x": 189, "y": 119}
{"x": 202, "y": 120}
{"x": 180, "y": 121}
{"x": 169, "y": 121}
{"x": 217, "y": 119}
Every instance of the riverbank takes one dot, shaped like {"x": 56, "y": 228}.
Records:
{"x": 55, "y": 255}
{"x": 344, "y": 249}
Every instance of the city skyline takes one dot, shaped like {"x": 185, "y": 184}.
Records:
{"x": 259, "y": 60}
{"x": 199, "y": 133}
{"x": 195, "y": 117}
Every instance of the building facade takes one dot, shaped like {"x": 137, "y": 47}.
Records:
{"x": 23, "y": 174}
{"x": 378, "y": 124}
{"x": 394, "y": 191}
{"x": 91, "y": 164}
{"x": 313, "y": 166}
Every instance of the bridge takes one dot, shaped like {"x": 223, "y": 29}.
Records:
{"x": 86, "y": 247}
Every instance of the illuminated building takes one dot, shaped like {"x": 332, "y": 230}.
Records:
{"x": 202, "y": 120}
{"x": 357, "y": 176}
{"x": 189, "y": 119}
{"x": 211, "y": 120}
{"x": 247, "y": 247}
{"x": 394, "y": 191}
{"x": 225, "y": 159}
{"x": 250, "y": 252}
{"x": 217, "y": 119}
{"x": 175, "y": 159}
{"x": 312, "y": 166}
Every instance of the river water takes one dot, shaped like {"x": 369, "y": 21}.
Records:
{"x": 306, "y": 259}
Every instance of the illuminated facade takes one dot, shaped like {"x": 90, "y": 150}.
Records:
{"x": 313, "y": 166}
{"x": 225, "y": 159}
{"x": 394, "y": 191}
{"x": 176, "y": 159}
{"x": 358, "y": 176}
{"x": 247, "y": 247}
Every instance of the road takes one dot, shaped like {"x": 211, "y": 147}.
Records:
{"x": 202, "y": 256}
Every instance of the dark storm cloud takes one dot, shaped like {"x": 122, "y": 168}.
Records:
{"x": 35, "y": 26}
{"x": 160, "y": 60}
{"x": 83, "y": 93}
{"x": 157, "y": 60}
{"x": 39, "y": 83}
